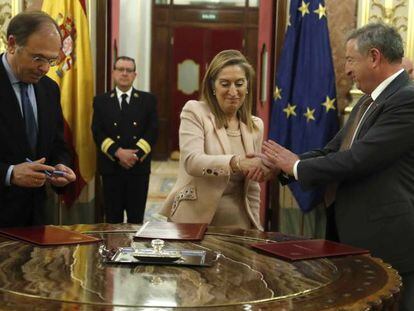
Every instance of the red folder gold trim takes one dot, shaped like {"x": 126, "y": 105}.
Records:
{"x": 308, "y": 249}
{"x": 48, "y": 235}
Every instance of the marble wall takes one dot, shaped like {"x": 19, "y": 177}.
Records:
{"x": 342, "y": 18}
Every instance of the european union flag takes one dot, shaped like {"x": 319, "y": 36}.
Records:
{"x": 304, "y": 113}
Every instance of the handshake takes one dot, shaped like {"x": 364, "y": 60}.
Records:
{"x": 266, "y": 165}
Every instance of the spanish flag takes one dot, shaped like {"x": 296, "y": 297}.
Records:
{"x": 74, "y": 75}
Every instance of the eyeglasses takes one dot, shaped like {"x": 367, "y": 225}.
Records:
{"x": 127, "y": 70}
{"x": 40, "y": 60}
{"x": 43, "y": 60}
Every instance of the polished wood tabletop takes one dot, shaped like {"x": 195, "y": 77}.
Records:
{"x": 74, "y": 277}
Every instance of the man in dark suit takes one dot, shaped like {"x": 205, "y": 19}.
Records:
{"x": 368, "y": 167}
{"x": 31, "y": 121}
{"x": 125, "y": 129}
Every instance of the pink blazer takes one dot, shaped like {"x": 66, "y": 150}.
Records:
{"x": 204, "y": 168}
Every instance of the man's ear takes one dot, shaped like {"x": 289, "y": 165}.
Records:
{"x": 11, "y": 44}
{"x": 375, "y": 56}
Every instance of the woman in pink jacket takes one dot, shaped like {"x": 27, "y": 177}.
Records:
{"x": 215, "y": 135}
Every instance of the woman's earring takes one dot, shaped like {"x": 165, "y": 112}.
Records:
{"x": 247, "y": 91}
{"x": 214, "y": 92}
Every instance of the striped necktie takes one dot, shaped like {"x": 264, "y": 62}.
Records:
{"x": 353, "y": 123}
{"x": 29, "y": 117}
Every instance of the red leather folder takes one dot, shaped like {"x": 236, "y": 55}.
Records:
{"x": 48, "y": 235}
{"x": 308, "y": 249}
{"x": 171, "y": 231}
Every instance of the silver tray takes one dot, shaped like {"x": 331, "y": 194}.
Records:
{"x": 187, "y": 257}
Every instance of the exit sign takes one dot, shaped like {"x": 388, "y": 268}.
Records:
{"x": 209, "y": 16}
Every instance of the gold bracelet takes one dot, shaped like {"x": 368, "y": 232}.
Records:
{"x": 238, "y": 163}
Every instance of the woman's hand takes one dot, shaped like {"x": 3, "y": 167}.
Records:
{"x": 250, "y": 163}
{"x": 263, "y": 172}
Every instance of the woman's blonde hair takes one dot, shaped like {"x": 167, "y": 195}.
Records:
{"x": 223, "y": 59}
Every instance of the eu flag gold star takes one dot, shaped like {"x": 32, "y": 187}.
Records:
{"x": 290, "y": 110}
{"x": 309, "y": 114}
{"x": 329, "y": 104}
{"x": 277, "y": 94}
{"x": 304, "y": 8}
{"x": 321, "y": 11}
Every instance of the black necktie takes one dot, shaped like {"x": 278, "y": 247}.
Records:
{"x": 29, "y": 117}
{"x": 124, "y": 102}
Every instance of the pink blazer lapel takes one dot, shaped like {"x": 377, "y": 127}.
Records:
{"x": 222, "y": 136}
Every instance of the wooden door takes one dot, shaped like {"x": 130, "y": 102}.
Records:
{"x": 193, "y": 49}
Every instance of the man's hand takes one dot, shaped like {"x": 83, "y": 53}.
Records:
{"x": 279, "y": 157}
{"x": 127, "y": 157}
{"x": 61, "y": 181}
{"x": 30, "y": 175}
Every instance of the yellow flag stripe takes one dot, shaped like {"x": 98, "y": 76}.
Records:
{"x": 74, "y": 75}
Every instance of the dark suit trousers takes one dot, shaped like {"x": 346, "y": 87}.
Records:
{"x": 22, "y": 207}
{"x": 331, "y": 232}
{"x": 125, "y": 192}
{"x": 407, "y": 297}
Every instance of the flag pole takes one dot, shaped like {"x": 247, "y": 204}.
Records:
{"x": 60, "y": 205}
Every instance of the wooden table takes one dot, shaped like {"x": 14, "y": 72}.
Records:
{"x": 75, "y": 278}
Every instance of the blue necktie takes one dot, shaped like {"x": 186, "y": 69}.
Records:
{"x": 29, "y": 117}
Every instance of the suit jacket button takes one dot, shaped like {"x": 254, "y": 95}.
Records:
{"x": 135, "y": 123}
{"x": 118, "y": 137}
{"x": 115, "y": 124}
{"x": 134, "y": 137}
